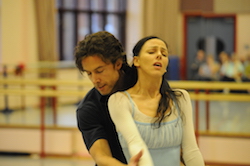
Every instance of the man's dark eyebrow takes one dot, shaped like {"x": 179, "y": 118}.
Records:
{"x": 98, "y": 67}
{"x": 94, "y": 69}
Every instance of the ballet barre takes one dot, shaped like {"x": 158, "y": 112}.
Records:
{"x": 207, "y": 91}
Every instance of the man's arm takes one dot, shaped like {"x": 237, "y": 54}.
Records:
{"x": 100, "y": 152}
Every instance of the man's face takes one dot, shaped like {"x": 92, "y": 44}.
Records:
{"x": 103, "y": 75}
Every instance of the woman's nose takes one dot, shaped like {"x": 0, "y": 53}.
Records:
{"x": 159, "y": 55}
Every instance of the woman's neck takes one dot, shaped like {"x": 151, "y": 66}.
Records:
{"x": 147, "y": 86}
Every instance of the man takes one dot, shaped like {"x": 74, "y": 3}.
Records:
{"x": 101, "y": 56}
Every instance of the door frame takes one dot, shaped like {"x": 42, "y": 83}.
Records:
{"x": 183, "y": 74}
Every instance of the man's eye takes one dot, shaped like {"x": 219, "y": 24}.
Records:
{"x": 99, "y": 71}
{"x": 88, "y": 73}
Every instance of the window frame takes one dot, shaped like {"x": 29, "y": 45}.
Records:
{"x": 104, "y": 13}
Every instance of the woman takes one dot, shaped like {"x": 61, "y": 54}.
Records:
{"x": 152, "y": 117}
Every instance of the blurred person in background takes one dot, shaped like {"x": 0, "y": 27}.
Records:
{"x": 238, "y": 68}
{"x": 198, "y": 61}
{"x": 226, "y": 69}
{"x": 209, "y": 71}
{"x": 246, "y": 74}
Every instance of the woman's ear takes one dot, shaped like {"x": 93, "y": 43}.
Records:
{"x": 136, "y": 61}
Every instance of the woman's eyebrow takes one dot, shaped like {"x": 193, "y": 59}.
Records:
{"x": 157, "y": 47}
{"x": 163, "y": 48}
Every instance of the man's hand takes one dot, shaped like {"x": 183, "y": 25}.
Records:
{"x": 134, "y": 161}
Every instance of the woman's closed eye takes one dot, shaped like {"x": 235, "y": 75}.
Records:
{"x": 151, "y": 52}
{"x": 164, "y": 54}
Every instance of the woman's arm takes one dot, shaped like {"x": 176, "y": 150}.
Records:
{"x": 191, "y": 152}
{"x": 120, "y": 112}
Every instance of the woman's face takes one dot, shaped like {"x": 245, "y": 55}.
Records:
{"x": 153, "y": 58}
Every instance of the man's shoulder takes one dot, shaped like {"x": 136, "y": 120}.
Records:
{"x": 92, "y": 97}
{"x": 93, "y": 94}
{"x": 91, "y": 101}
{"x": 90, "y": 107}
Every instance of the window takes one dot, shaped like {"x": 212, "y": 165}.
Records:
{"x": 76, "y": 18}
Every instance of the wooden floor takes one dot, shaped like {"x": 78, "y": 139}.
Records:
{"x": 48, "y": 161}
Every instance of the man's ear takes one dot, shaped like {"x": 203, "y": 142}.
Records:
{"x": 118, "y": 64}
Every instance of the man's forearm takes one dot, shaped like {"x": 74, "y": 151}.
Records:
{"x": 108, "y": 161}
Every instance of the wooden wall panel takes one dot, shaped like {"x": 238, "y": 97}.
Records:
{"x": 196, "y": 5}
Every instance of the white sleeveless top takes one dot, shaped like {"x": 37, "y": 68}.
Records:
{"x": 163, "y": 143}
{"x": 161, "y": 146}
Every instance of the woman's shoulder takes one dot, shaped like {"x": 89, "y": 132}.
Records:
{"x": 178, "y": 90}
{"x": 118, "y": 95}
{"x": 182, "y": 93}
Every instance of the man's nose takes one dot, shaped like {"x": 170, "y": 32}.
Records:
{"x": 95, "y": 78}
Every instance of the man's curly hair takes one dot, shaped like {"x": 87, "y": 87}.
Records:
{"x": 102, "y": 44}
